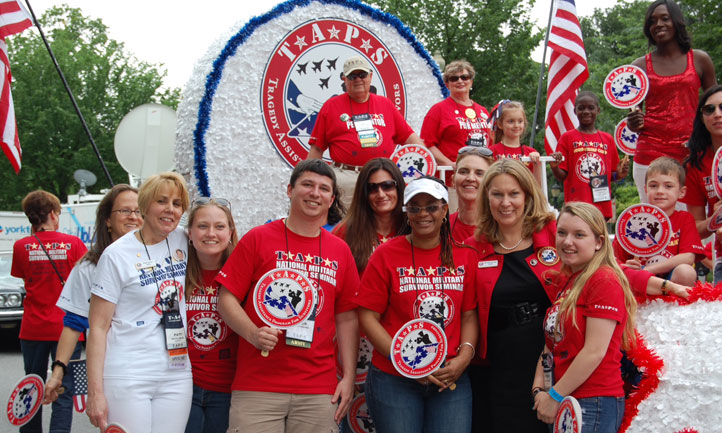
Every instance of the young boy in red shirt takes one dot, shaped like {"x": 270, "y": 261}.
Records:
{"x": 664, "y": 186}
{"x": 591, "y": 161}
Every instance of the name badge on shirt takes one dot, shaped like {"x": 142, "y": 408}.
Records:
{"x": 365, "y": 130}
{"x": 600, "y": 188}
{"x": 488, "y": 264}
{"x": 175, "y": 338}
{"x": 301, "y": 335}
{"x": 147, "y": 264}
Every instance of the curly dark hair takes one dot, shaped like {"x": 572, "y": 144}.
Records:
{"x": 700, "y": 140}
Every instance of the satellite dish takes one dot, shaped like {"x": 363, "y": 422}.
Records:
{"x": 84, "y": 178}
{"x": 145, "y": 140}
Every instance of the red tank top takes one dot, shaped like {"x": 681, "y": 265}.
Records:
{"x": 670, "y": 108}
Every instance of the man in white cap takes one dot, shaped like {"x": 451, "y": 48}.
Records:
{"x": 357, "y": 126}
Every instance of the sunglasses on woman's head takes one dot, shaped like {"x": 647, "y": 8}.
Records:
{"x": 709, "y": 109}
{"x": 386, "y": 186}
{"x": 476, "y": 150}
{"x": 455, "y": 78}
{"x": 200, "y": 201}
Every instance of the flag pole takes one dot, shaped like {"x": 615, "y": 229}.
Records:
{"x": 70, "y": 94}
{"x": 541, "y": 76}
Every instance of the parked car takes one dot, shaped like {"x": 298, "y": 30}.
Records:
{"x": 12, "y": 294}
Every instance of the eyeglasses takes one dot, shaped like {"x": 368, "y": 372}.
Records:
{"x": 360, "y": 74}
{"x": 477, "y": 150}
{"x": 709, "y": 109}
{"x": 455, "y": 78}
{"x": 413, "y": 210}
{"x": 127, "y": 212}
{"x": 386, "y": 186}
{"x": 200, "y": 201}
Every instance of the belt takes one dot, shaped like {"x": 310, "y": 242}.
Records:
{"x": 516, "y": 315}
{"x": 356, "y": 168}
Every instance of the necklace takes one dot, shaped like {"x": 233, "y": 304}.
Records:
{"x": 439, "y": 318}
{"x": 511, "y": 248}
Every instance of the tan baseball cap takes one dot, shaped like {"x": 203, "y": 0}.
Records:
{"x": 356, "y": 63}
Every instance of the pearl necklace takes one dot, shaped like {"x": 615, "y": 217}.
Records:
{"x": 511, "y": 248}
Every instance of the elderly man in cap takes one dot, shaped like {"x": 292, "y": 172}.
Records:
{"x": 357, "y": 126}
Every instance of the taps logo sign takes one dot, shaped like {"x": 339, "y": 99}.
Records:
{"x": 305, "y": 69}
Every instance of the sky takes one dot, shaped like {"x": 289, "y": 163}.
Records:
{"x": 177, "y": 33}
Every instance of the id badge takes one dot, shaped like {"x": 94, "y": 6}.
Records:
{"x": 175, "y": 338}
{"x": 301, "y": 335}
{"x": 600, "y": 188}
{"x": 365, "y": 130}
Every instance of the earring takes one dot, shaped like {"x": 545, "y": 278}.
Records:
{"x": 444, "y": 220}
{"x": 190, "y": 241}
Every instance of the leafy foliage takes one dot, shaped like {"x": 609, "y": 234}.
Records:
{"x": 107, "y": 82}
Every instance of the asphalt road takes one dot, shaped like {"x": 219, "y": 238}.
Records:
{"x": 11, "y": 366}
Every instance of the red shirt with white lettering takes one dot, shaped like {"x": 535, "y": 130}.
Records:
{"x": 601, "y": 297}
{"x": 700, "y": 191}
{"x": 587, "y": 155}
{"x": 42, "y": 319}
{"x": 448, "y": 127}
{"x": 402, "y": 286}
{"x": 212, "y": 345}
{"x": 290, "y": 369}
{"x": 502, "y": 151}
{"x": 335, "y": 130}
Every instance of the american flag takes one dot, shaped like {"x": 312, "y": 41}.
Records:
{"x": 80, "y": 384}
{"x": 13, "y": 19}
{"x": 567, "y": 72}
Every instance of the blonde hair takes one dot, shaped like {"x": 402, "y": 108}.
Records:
{"x": 194, "y": 272}
{"x": 604, "y": 257}
{"x": 666, "y": 166}
{"x": 536, "y": 215}
{"x": 152, "y": 186}
{"x": 503, "y": 110}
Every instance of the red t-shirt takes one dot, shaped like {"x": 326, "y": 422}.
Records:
{"x": 685, "y": 239}
{"x": 340, "y": 231}
{"x": 700, "y": 191}
{"x": 42, "y": 319}
{"x": 587, "y": 155}
{"x": 331, "y": 132}
{"x": 289, "y": 369}
{"x": 502, "y": 151}
{"x": 392, "y": 287}
{"x": 602, "y": 297}
{"x": 212, "y": 345}
{"x": 447, "y": 127}
{"x": 460, "y": 231}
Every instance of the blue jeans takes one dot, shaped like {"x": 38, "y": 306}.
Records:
{"x": 35, "y": 358}
{"x": 209, "y": 411}
{"x": 601, "y": 414}
{"x": 401, "y": 405}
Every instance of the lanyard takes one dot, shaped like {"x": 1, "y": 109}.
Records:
{"x": 416, "y": 286}
{"x": 174, "y": 296}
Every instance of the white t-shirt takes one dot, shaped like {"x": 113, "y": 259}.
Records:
{"x": 75, "y": 296}
{"x": 136, "y": 346}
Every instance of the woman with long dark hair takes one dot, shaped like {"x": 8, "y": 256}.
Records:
{"x": 704, "y": 142}
{"x": 375, "y": 214}
{"x": 117, "y": 214}
{"x": 423, "y": 274}
{"x": 676, "y": 72}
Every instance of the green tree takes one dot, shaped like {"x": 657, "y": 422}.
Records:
{"x": 107, "y": 82}
{"x": 496, "y": 36}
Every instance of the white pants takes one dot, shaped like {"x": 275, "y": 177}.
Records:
{"x": 148, "y": 406}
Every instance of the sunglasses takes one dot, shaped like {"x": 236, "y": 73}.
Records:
{"x": 709, "y": 109}
{"x": 455, "y": 78}
{"x": 413, "y": 210}
{"x": 386, "y": 186}
{"x": 476, "y": 150}
{"x": 200, "y": 201}
{"x": 360, "y": 74}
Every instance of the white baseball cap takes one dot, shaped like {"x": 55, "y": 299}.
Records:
{"x": 425, "y": 185}
{"x": 356, "y": 63}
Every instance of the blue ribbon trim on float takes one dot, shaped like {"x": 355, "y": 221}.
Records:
{"x": 214, "y": 77}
